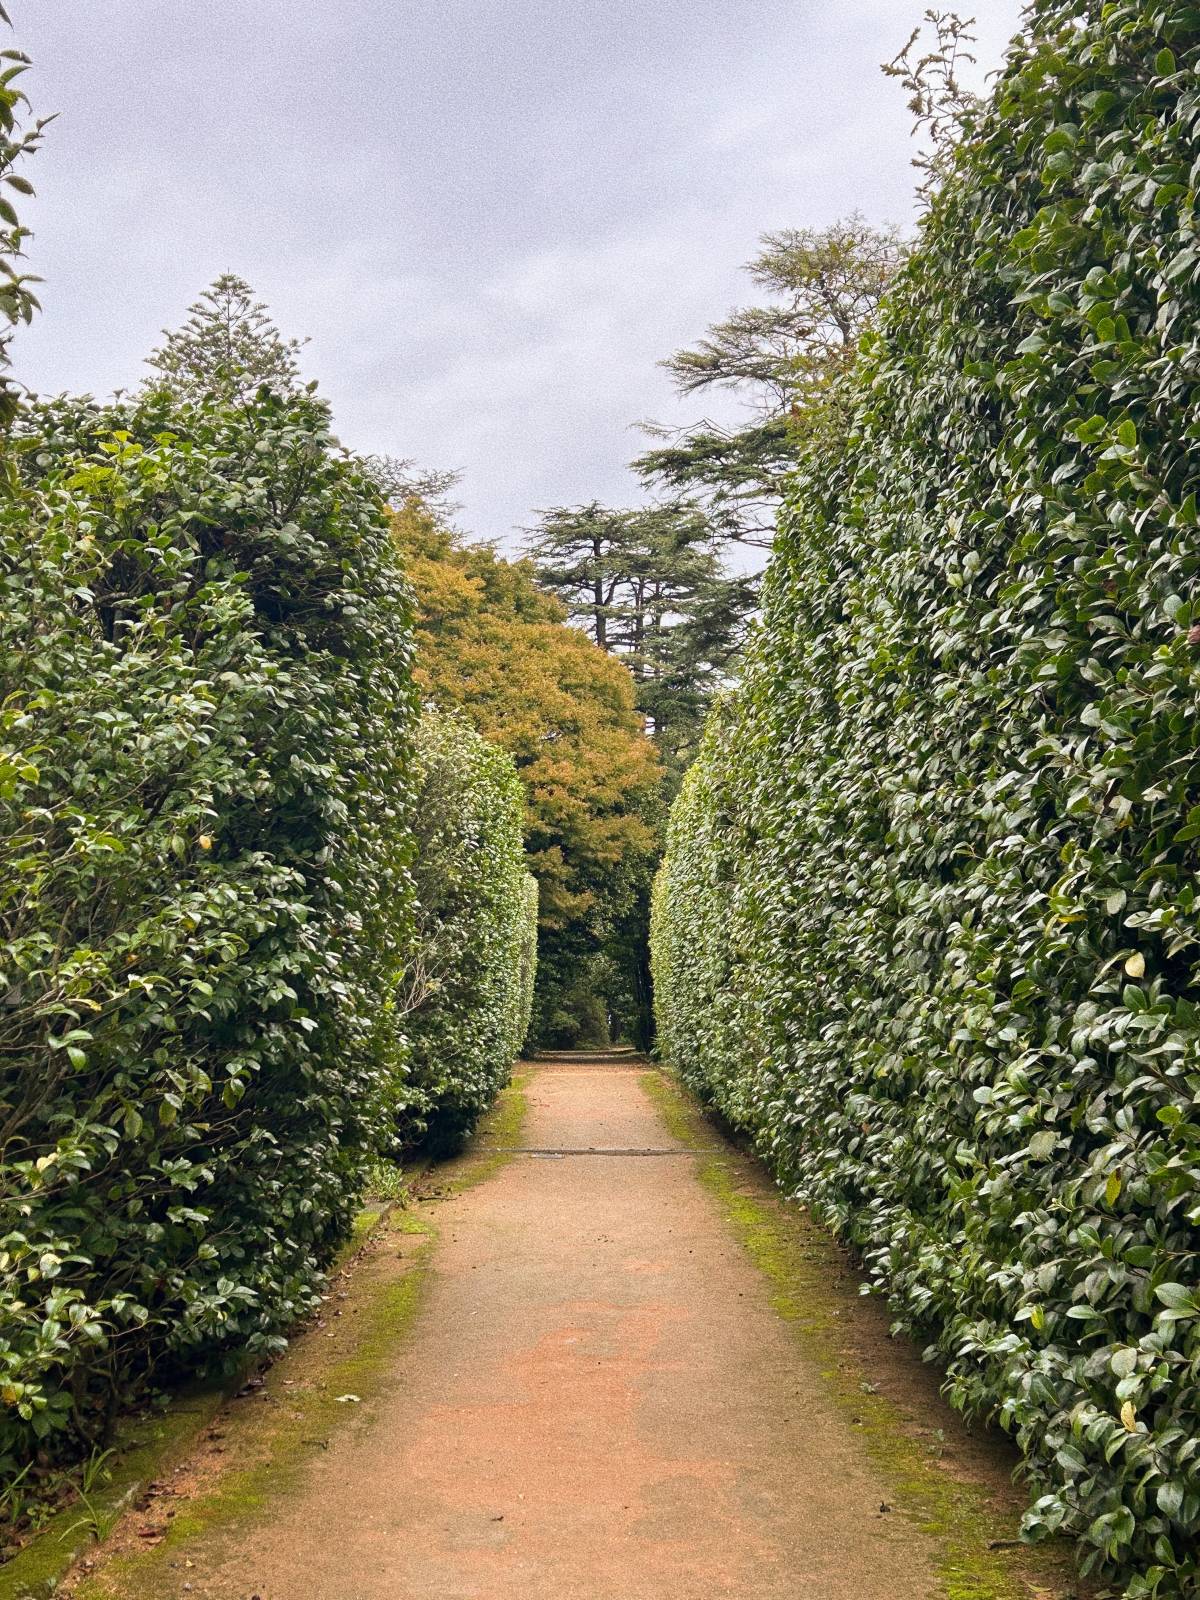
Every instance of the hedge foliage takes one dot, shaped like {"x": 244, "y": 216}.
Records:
{"x": 205, "y": 898}
{"x": 468, "y": 991}
{"x": 929, "y": 917}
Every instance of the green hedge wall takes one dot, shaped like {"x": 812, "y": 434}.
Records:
{"x": 469, "y": 989}
{"x": 927, "y": 925}
{"x": 205, "y": 771}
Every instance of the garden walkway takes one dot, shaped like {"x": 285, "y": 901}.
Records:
{"x": 609, "y": 1388}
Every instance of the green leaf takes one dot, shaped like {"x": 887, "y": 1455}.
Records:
{"x": 1174, "y": 1295}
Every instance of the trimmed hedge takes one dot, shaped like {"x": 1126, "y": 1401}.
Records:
{"x": 468, "y": 992}
{"x": 205, "y": 901}
{"x": 927, "y": 925}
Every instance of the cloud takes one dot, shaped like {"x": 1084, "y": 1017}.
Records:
{"x": 493, "y": 219}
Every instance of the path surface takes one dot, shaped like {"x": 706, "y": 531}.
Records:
{"x": 595, "y": 1402}
{"x": 599, "y": 1366}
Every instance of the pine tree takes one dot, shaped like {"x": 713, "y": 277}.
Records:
{"x": 649, "y": 586}
{"x": 229, "y": 347}
{"x": 824, "y": 287}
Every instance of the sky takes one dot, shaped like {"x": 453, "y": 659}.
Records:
{"x": 490, "y": 220}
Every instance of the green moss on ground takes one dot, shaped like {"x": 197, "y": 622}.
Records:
{"x": 140, "y": 1449}
{"x": 803, "y": 1265}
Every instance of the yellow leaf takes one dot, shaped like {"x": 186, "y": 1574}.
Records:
{"x": 205, "y": 841}
{"x": 1135, "y": 964}
{"x": 1112, "y": 1188}
{"x": 1129, "y": 1417}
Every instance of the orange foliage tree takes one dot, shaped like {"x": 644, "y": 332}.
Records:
{"x": 495, "y": 645}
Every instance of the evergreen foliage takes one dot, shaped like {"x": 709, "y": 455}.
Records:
{"x": 18, "y": 139}
{"x": 649, "y": 586}
{"x": 823, "y": 287}
{"x": 468, "y": 989}
{"x": 205, "y": 788}
{"x": 927, "y": 926}
{"x": 227, "y": 349}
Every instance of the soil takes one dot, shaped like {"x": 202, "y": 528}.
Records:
{"x": 599, "y": 1396}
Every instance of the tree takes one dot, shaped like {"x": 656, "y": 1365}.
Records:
{"x": 649, "y": 586}
{"x": 17, "y": 299}
{"x": 581, "y": 554}
{"x": 490, "y": 641}
{"x": 227, "y": 349}
{"x": 825, "y": 286}
{"x": 399, "y": 479}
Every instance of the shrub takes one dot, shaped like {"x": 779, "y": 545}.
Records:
{"x": 469, "y": 988}
{"x": 204, "y": 892}
{"x": 928, "y": 923}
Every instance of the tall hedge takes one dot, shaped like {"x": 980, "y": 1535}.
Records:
{"x": 928, "y": 921}
{"x": 468, "y": 991}
{"x": 205, "y": 714}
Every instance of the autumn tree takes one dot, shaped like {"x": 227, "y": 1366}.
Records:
{"x": 228, "y": 348}
{"x": 492, "y": 642}
{"x": 822, "y": 287}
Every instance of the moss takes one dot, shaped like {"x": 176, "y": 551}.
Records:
{"x": 802, "y": 1263}
{"x": 271, "y": 1451}
{"x": 140, "y": 1448}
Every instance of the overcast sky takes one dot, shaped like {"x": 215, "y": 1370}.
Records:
{"x": 491, "y": 219}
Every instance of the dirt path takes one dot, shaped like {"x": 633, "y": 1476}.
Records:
{"x": 597, "y": 1400}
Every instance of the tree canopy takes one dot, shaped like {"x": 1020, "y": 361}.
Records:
{"x": 228, "y": 348}
{"x": 490, "y": 641}
{"x": 823, "y": 288}
{"x": 648, "y": 584}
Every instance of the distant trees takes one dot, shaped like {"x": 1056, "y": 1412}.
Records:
{"x": 228, "y": 348}
{"x": 824, "y": 286}
{"x": 491, "y": 642}
{"x": 652, "y": 583}
{"x": 649, "y": 585}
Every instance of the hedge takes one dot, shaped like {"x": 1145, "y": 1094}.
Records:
{"x": 927, "y": 925}
{"x": 205, "y": 731}
{"x": 468, "y": 991}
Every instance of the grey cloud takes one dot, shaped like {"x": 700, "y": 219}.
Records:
{"x": 491, "y": 220}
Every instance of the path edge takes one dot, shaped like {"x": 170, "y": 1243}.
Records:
{"x": 148, "y": 1447}
{"x": 975, "y": 1557}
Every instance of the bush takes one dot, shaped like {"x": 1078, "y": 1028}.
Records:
{"x": 469, "y": 988}
{"x": 205, "y": 718}
{"x": 928, "y": 921}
